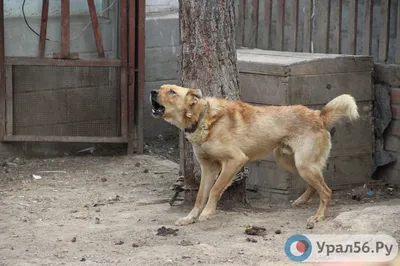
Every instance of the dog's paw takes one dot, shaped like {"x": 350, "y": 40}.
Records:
{"x": 205, "y": 216}
{"x": 185, "y": 221}
{"x": 316, "y": 218}
{"x": 298, "y": 203}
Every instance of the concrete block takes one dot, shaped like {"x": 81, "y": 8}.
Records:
{"x": 387, "y": 73}
{"x": 392, "y": 143}
{"x": 395, "y": 95}
{"x": 161, "y": 63}
{"x": 152, "y": 126}
{"x": 162, "y": 30}
{"x": 396, "y": 111}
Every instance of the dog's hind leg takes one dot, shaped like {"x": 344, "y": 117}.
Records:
{"x": 286, "y": 160}
{"x": 209, "y": 171}
{"x": 229, "y": 170}
{"x": 312, "y": 173}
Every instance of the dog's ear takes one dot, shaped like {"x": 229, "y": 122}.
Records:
{"x": 193, "y": 96}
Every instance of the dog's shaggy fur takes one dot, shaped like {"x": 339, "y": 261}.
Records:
{"x": 228, "y": 134}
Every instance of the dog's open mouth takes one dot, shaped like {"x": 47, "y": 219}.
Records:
{"x": 158, "y": 109}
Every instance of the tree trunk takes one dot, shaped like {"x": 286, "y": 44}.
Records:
{"x": 208, "y": 63}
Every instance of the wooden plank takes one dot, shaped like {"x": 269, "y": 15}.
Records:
{"x": 9, "y": 101}
{"x": 267, "y": 23}
{"x": 96, "y": 28}
{"x": 65, "y": 139}
{"x": 367, "y": 31}
{"x": 131, "y": 85}
{"x": 2, "y": 74}
{"x": 43, "y": 28}
{"x": 307, "y": 27}
{"x": 384, "y": 31}
{"x": 352, "y": 32}
{"x": 124, "y": 70}
{"x": 398, "y": 35}
{"x": 294, "y": 25}
{"x": 322, "y": 25}
{"x": 141, "y": 67}
{"x": 254, "y": 23}
{"x": 337, "y": 26}
{"x": 280, "y": 25}
{"x": 65, "y": 28}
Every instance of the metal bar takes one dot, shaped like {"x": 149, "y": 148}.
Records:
{"x": 43, "y": 28}
{"x": 9, "y": 101}
{"x": 352, "y": 38}
{"x": 308, "y": 6}
{"x": 398, "y": 35}
{"x": 124, "y": 70}
{"x": 384, "y": 31}
{"x": 254, "y": 23}
{"x": 65, "y": 28}
{"x": 267, "y": 23}
{"x": 294, "y": 25}
{"x": 96, "y": 28}
{"x": 367, "y": 32}
{"x": 337, "y": 26}
{"x": 60, "y": 62}
{"x": 65, "y": 139}
{"x": 141, "y": 69}
{"x": 322, "y": 25}
{"x": 280, "y": 25}
{"x": 2, "y": 75}
{"x": 131, "y": 67}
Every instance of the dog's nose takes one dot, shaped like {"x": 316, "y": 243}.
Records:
{"x": 154, "y": 92}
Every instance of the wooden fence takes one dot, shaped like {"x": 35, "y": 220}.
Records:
{"x": 365, "y": 27}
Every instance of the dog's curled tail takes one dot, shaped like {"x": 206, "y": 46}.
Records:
{"x": 343, "y": 106}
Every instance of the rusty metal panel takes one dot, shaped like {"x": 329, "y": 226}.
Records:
{"x": 66, "y": 101}
{"x": 2, "y": 75}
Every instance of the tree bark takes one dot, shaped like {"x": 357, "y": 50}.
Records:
{"x": 208, "y": 63}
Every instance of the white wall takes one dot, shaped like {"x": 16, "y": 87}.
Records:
{"x": 155, "y": 6}
{"x": 33, "y": 8}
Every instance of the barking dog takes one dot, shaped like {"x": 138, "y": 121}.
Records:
{"x": 228, "y": 134}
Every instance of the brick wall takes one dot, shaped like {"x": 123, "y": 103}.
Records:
{"x": 390, "y": 75}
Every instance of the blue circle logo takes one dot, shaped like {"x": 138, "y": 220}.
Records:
{"x": 298, "y": 248}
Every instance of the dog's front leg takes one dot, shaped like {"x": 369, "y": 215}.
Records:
{"x": 229, "y": 170}
{"x": 209, "y": 172}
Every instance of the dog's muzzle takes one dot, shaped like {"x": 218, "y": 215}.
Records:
{"x": 157, "y": 109}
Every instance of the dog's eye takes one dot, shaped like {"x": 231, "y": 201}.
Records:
{"x": 171, "y": 92}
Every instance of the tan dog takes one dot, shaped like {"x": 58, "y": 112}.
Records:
{"x": 228, "y": 134}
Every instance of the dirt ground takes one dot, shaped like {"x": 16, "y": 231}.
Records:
{"x": 106, "y": 210}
